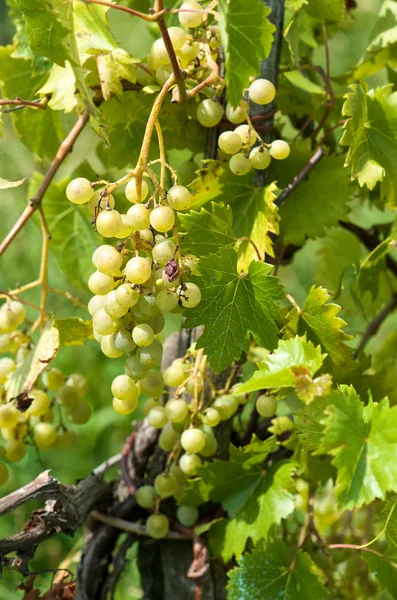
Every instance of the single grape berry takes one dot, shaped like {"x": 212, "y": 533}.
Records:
{"x": 126, "y": 295}
{"x": 209, "y": 113}
{"x": 174, "y": 375}
{"x": 187, "y": 17}
{"x": 156, "y": 417}
{"x": 176, "y": 410}
{"x": 237, "y": 115}
{"x": 45, "y": 435}
{"x": 143, "y": 334}
{"x": 159, "y": 54}
{"x": 124, "y": 387}
{"x": 179, "y": 198}
{"x": 189, "y": 295}
{"x": 163, "y": 252}
{"x": 168, "y": 438}
{"x": 167, "y": 300}
{"x": 130, "y": 191}
{"x": 230, "y": 142}
{"x": 153, "y": 383}
{"x": 165, "y": 485}
{"x": 146, "y": 496}
{"x": 189, "y": 464}
{"x": 187, "y": 515}
{"x": 137, "y": 270}
{"x": 125, "y": 407}
{"x": 212, "y": 417}
{"x": 162, "y": 218}
{"x": 178, "y": 37}
{"x": 108, "y": 222}
{"x": 138, "y": 217}
{"x": 107, "y": 259}
{"x": 79, "y": 191}
{"x": 100, "y": 283}
{"x": 266, "y": 405}
{"x": 262, "y": 91}
{"x": 193, "y": 440}
{"x": 157, "y": 526}
{"x": 239, "y": 164}
{"x": 279, "y": 149}
{"x": 247, "y": 134}
{"x": 260, "y": 158}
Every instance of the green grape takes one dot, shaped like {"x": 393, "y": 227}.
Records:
{"x": 194, "y": 383}
{"x": 179, "y": 198}
{"x": 187, "y": 515}
{"x": 162, "y": 74}
{"x": 80, "y": 413}
{"x": 126, "y": 295}
{"x": 4, "y": 474}
{"x": 167, "y": 300}
{"x": 142, "y": 76}
{"x": 239, "y": 164}
{"x": 9, "y": 416}
{"x": 163, "y": 252}
{"x": 189, "y": 463}
{"x": 108, "y": 222}
{"x": 45, "y": 435}
{"x": 79, "y": 191}
{"x": 165, "y": 485}
{"x": 153, "y": 383}
{"x": 175, "y": 375}
{"x": 146, "y": 496}
{"x": 162, "y": 218}
{"x": 125, "y": 228}
{"x": 123, "y": 341}
{"x": 193, "y": 440}
{"x": 107, "y": 259}
{"x": 15, "y": 450}
{"x": 67, "y": 440}
{"x": 211, "y": 445}
{"x": 150, "y": 356}
{"x": 113, "y": 308}
{"x": 157, "y": 526}
{"x": 125, "y": 407}
{"x": 6, "y": 343}
{"x": 146, "y": 307}
{"x": 100, "y": 283}
{"x": 138, "y": 217}
{"x": 159, "y": 54}
{"x": 177, "y": 472}
{"x": 108, "y": 346}
{"x": 100, "y": 202}
{"x": 262, "y": 91}
{"x": 134, "y": 368}
{"x": 189, "y": 295}
{"x": 176, "y": 410}
{"x": 79, "y": 383}
{"x": 149, "y": 404}
{"x": 124, "y": 388}
{"x": 17, "y": 432}
{"x": 178, "y": 37}
{"x": 143, "y": 334}
{"x": 237, "y": 115}
{"x": 68, "y": 396}
{"x": 157, "y": 323}
{"x": 137, "y": 270}
{"x": 247, "y": 134}
{"x": 209, "y": 113}
{"x": 230, "y": 142}
{"x": 212, "y": 417}
{"x": 95, "y": 303}
{"x": 53, "y": 379}
{"x": 226, "y": 406}
{"x": 156, "y": 417}
{"x": 214, "y": 37}
{"x": 279, "y": 149}
{"x": 7, "y": 366}
{"x": 191, "y": 19}
{"x": 17, "y": 309}
{"x": 189, "y": 51}
{"x": 168, "y": 438}
{"x": 102, "y": 323}
{"x": 130, "y": 191}
{"x": 48, "y": 417}
{"x": 266, "y": 405}
{"x": 260, "y": 158}
{"x": 41, "y": 403}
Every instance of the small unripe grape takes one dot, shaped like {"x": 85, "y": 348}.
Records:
{"x": 146, "y": 496}
{"x": 15, "y": 450}
{"x": 191, "y": 19}
{"x": 108, "y": 347}
{"x": 190, "y": 295}
{"x": 162, "y": 218}
{"x": 157, "y": 323}
{"x": 53, "y": 379}
{"x": 165, "y": 485}
{"x": 157, "y": 526}
{"x": 209, "y": 113}
{"x": 157, "y": 417}
{"x": 153, "y": 383}
{"x": 67, "y": 440}
{"x": 167, "y": 300}
{"x": 162, "y": 74}
{"x": 17, "y": 310}
{"x": 260, "y": 158}
{"x": 142, "y": 76}
{"x": 174, "y": 375}
{"x": 187, "y": 515}
{"x": 266, "y": 405}
{"x": 68, "y": 396}
{"x": 226, "y": 406}
{"x": 212, "y": 417}
{"x": 108, "y": 222}
{"x": 41, "y": 403}
{"x": 178, "y": 37}
{"x": 230, "y": 142}
{"x": 138, "y": 217}
{"x": 80, "y": 413}
{"x": 4, "y": 474}
{"x": 195, "y": 383}
{"x": 125, "y": 407}
{"x": 211, "y": 446}
{"x": 123, "y": 341}
{"x": 9, "y": 416}
{"x": 150, "y": 356}
{"x": 124, "y": 388}
{"x": 168, "y": 438}
{"x": 134, "y": 368}
{"x": 130, "y": 191}
{"x": 163, "y": 252}
{"x": 143, "y": 334}
{"x": 98, "y": 201}
{"x": 79, "y": 191}
{"x": 262, "y": 91}
{"x": 159, "y": 54}
{"x": 149, "y": 404}
{"x": 193, "y": 440}
{"x": 100, "y": 283}
{"x": 107, "y": 259}
{"x": 279, "y": 149}
{"x": 189, "y": 464}
{"x": 247, "y": 134}
{"x": 45, "y": 435}
{"x": 176, "y": 410}
{"x": 189, "y": 51}
{"x": 137, "y": 270}
{"x": 126, "y": 295}
{"x": 179, "y": 198}
{"x": 113, "y": 308}
{"x": 239, "y": 164}
{"x": 102, "y": 323}
{"x": 79, "y": 383}
{"x": 7, "y": 366}
{"x": 237, "y": 115}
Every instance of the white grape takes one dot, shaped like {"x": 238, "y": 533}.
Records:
{"x": 190, "y": 19}
{"x": 162, "y": 218}
{"x": 108, "y": 347}
{"x": 134, "y": 368}
{"x": 209, "y": 113}
{"x": 125, "y": 229}
{"x": 193, "y": 440}
{"x": 189, "y": 51}
{"x": 178, "y": 37}
{"x": 226, "y": 406}
{"x": 262, "y": 91}
{"x": 153, "y": 383}
{"x": 125, "y": 407}
{"x": 163, "y": 252}
{"x": 175, "y": 375}
{"x": 189, "y": 463}
{"x": 113, "y": 308}
{"x": 179, "y": 197}
{"x": 260, "y": 158}
{"x": 79, "y": 191}
{"x": 107, "y": 259}
{"x": 168, "y": 438}
{"x": 146, "y": 496}
{"x": 45, "y": 435}
{"x": 95, "y": 303}
{"x": 99, "y": 201}
{"x": 137, "y": 270}
{"x": 156, "y": 417}
{"x": 138, "y": 217}
{"x": 41, "y": 403}
{"x": 237, "y": 115}
{"x": 189, "y": 295}
{"x": 108, "y": 222}
{"x": 123, "y": 341}
{"x": 143, "y": 335}
{"x": 187, "y": 515}
{"x": 162, "y": 74}
{"x": 142, "y": 76}
{"x": 212, "y": 417}
{"x": 157, "y": 526}
{"x": 247, "y": 134}
{"x": 79, "y": 383}
{"x": 165, "y": 485}
{"x": 100, "y": 283}
{"x": 130, "y": 191}
{"x": 150, "y": 356}
{"x": 103, "y": 323}
{"x": 176, "y": 410}
{"x": 159, "y": 53}
{"x": 266, "y": 405}
{"x": 167, "y": 300}
{"x": 230, "y": 142}
{"x": 126, "y": 295}
{"x": 279, "y": 149}
{"x": 7, "y": 366}
{"x": 239, "y": 164}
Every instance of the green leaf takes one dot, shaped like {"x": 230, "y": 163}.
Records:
{"x": 247, "y": 39}
{"x": 73, "y": 331}
{"x": 372, "y": 138}
{"x": 113, "y": 67}
{"x": 5, "y": 184}
{"x": 92, "y": 31}
{"x": 384, "y": 571}
{"x": 275, "y": 574}
{"x": 390, "y": 510}
{"x": 308, "y": 423}
{"x": 363, "y": 443}
{"x": 234, "y": 305}
{"x": 23, "y": 379}
{"x": 206, "y": 232}
{"x": 61, "y": 85}
{"x": 279, "y": 369}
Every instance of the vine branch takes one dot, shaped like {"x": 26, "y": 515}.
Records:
{"x": 374, "y": 325}
{"x": 314, "y": 160}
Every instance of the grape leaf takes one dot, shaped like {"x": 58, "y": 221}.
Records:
{"x": 73, "y": 331}
{"x": 390, "y": 510}
{"x": 279, "y": 369}
{"x": 206, "y": 232}
{"x": 308, "y": 423}
{"x": 363, "y": 443}
{"x": 247, "y": 39}
{"x": 274, "y": 574}
{"x": 61, "y": 85}
{"x": 207, "y": 185}
{"x": 112, "y": 67}
{"x": 234, "y": 305}
{"x": 371, "y": 134}
{"x": 384, "y": 571}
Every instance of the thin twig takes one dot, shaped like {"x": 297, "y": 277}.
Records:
{"x": 317, "y": 156}
{"x": 22, "y": 300}
{"x": 374, "y": 325}
{"x": 353, "y": 547}
{"x": 68, "y": 296}
{"x": 131, "y": 527}
{"x": 248, "y": 239}
{"x": 131, "y": 11}
{"x": 29, "y": 103}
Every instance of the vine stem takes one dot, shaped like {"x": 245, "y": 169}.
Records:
{"x": 29, "y": 103}
{"x": 12, "y": 296}
{"x": 162, "y": 153}
{"x": 374, "y": 325}
{"x": 43, "y": 276}
{"x": 68, "y": 296}
{"x": 314, "y": 160}
{"x": 131, "y": 527}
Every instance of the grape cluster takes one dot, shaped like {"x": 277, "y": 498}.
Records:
{"x": 40, "y": 415}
